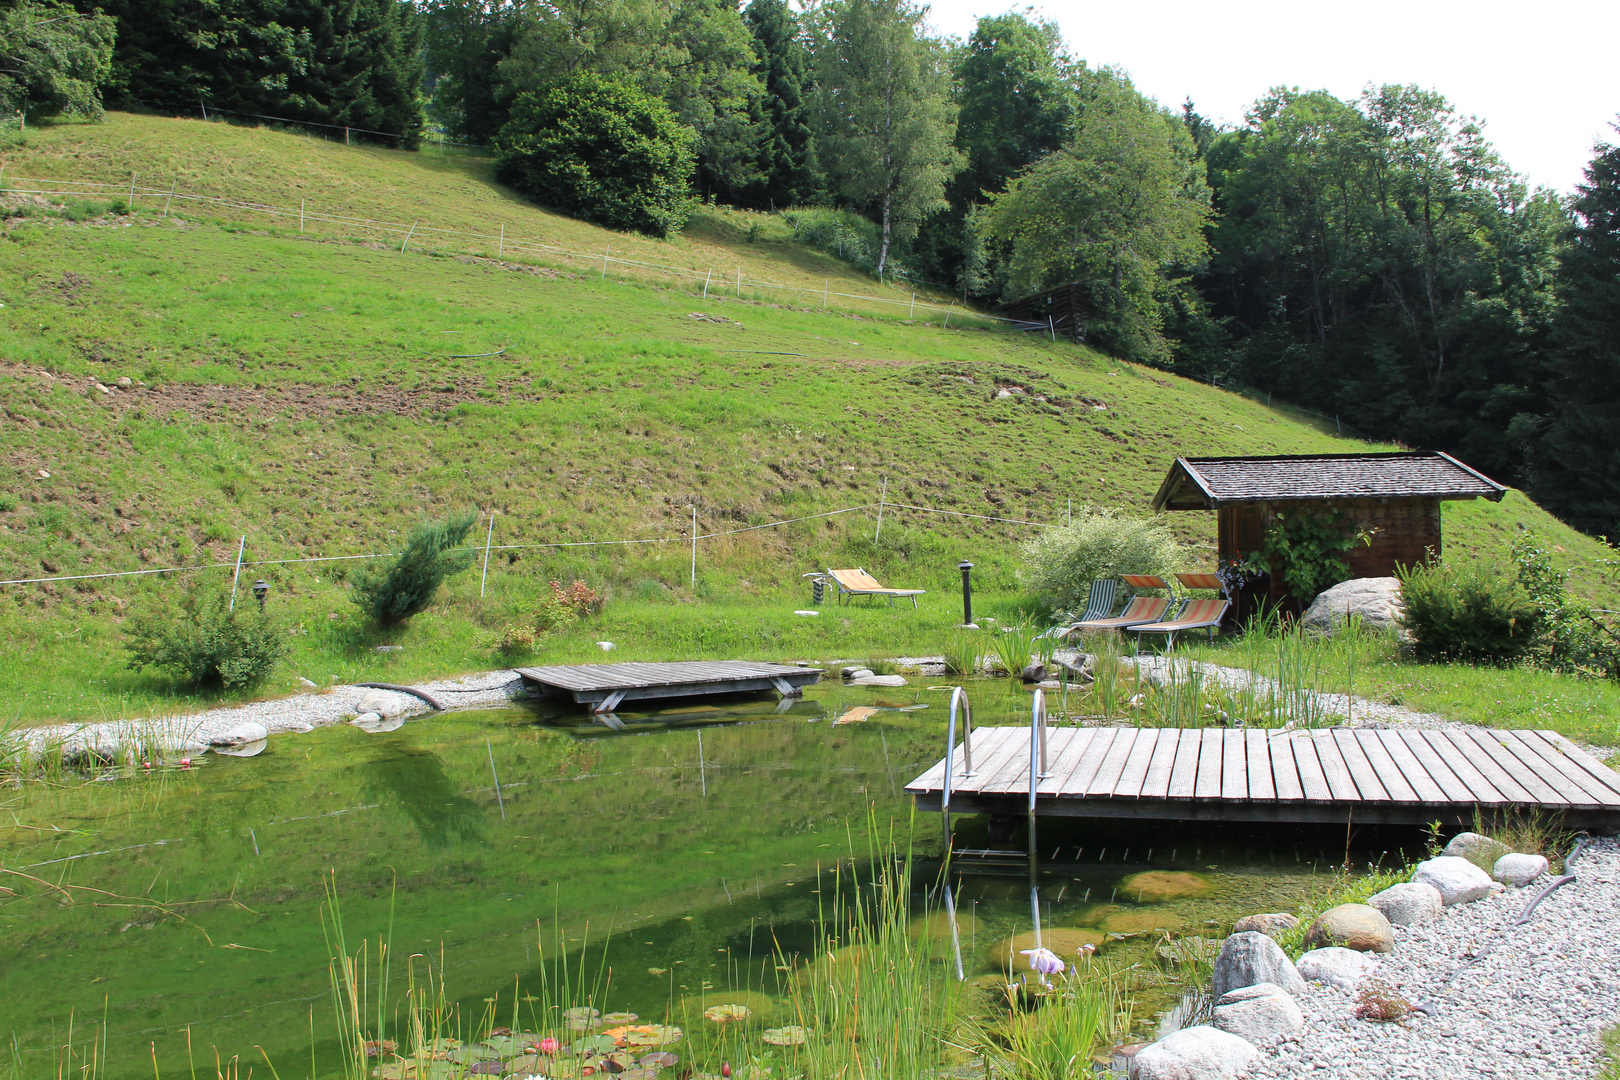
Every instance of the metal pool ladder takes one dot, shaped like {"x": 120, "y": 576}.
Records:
{"x": 1037, "y": 773}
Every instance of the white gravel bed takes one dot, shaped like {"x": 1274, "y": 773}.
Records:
{"x": 298, "y": 713}
{"x": 1531, "y": 1008}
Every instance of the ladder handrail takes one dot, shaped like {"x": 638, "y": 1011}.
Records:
{"x": 958, "y": 696}
{"x": 1037, "y": 762}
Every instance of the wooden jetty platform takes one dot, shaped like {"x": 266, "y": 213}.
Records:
{"x": 604, "y": 686}
{"x": 1322, "y": 775}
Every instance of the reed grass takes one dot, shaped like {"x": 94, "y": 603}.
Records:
{"x": 1015, "y": 647}
{"x": 962, "y": 653}
{"x": 1080, "y": 1013}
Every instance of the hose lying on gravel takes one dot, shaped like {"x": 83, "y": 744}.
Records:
{"x": 423, "y": 694}
{"x": 1429, "y": 1008}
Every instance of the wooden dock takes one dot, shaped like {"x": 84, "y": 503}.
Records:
{"x": 604, "y": 686}
{"x": 1328, "y": 775}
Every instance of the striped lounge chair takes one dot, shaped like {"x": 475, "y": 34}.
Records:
{"x": 1194, "y": 615}
{"x": 1141, "y": 609}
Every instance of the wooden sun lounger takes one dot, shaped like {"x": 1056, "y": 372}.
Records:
{"x": 1195, "y": 615}
{"x": 858, "y": 582}
{"x": 1141, "y": 609}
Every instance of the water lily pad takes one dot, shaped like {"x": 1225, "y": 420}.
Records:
{"x": 646, "y": 1034}
{"x": 724, "y": 1014}
{"x": 619, "y": 1018}
{"x": 580, "y": 1018}
{"x": 639, "y": 1074}
{"x": 403, "y": 1069}
{"x": 660, "y": 1059}
{"x": 379, "y": 1047}
{"x": 618, "y": 1061}
{"x": 504, "y": 1045}
{"x": 604, "y": 1043}
{"x": 490, "y": 1067}
{"x": 473, "y": 1052}
{"x": 564, "y": 1069}
{"x": 439, "y": 1049}
{"x": 792, "y": 1035}
{"x": 526, "y": 1063}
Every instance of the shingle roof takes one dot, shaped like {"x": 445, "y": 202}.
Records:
{"x": 1205, "y": 483}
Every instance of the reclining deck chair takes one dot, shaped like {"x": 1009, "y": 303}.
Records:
{"x": 1099, "y": 605}
{"x": 858, "y": 582}
{"x": 1194, "y": 615}
{"x": 1141, "y": 609}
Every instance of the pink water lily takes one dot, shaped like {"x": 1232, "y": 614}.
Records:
{"x": 1044, "y": 962}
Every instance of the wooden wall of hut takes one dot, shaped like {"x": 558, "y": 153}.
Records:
{"x": 1403, "y": 532}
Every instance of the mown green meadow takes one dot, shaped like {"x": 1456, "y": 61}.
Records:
{"x": 319, "y": 394}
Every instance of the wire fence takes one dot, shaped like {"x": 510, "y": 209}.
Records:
{"x": 489, "y": 547}
{"x": 501, "y": 244}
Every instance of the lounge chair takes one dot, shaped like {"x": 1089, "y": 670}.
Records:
{"x": 1195, "y": 615}
{"x": 858, "y": 582}
{"x": 1202, "y": 581}
{"x": 1100, "y": 604}
{"x": 1140, "y": 582}
{"x": 1141, "y": 609}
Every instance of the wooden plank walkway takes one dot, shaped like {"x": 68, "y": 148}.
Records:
{"x": 605, "y": 686}
{"x": 1329, "y": 775}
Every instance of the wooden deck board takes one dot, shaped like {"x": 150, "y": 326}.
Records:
{"x": 1114, "y": 763}
{"x": 1258, "y": 775}
{"x": 1165, "y": 747}
{"x": 1134, "y": 774}
{"x": 1284, "y": 770}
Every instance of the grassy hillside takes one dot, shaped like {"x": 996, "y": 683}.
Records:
{"x": 318, "y": 394}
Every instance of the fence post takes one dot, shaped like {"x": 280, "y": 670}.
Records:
{"x": 694, "y": 548}
{"x": 824, "y": 283}
{"x": 204, "y": 105}
{"x": 883, "y": 497}
{"x": 500, "y": 252}
{"x": 913, "y": 311}
{"x": 948, "y": 313}
{"x": 606, "y": 251}
{"x": 301, "y": 215}
{"x": 238, "y": 575}
{"x": 345, "y": 136}
{"x": 739, "y": 282}
{"x": 408, "y": 237}
{"x": 170, "y": 199}
{"x": 132, "y": 191}
{"x": 706, "y": 278}
{"x": 488, "y": 539}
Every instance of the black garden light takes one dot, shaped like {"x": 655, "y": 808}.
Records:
{"x": 261, "y": 589}
{"x": 967, "y": 592}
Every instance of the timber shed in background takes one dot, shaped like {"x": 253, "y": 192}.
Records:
{"x": 1394, "y": 497}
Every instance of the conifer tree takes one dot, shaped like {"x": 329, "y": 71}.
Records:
{"x": 786, "y": 153}
{"x": 1578, "y": 475}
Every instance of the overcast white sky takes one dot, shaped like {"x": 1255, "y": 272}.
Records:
{"x": 1544, "y": 77}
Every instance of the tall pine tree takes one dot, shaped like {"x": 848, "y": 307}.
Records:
{"x": 787, "y": 152}
{"x": 1578, "y": 474}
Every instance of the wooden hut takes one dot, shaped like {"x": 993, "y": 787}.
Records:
{"x": 1395, "y": 498}
{"x": 1063, "y": 311}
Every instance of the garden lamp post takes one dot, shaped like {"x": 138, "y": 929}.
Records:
{"x": 967, "y": 592}
{"x": 261, "y": 589}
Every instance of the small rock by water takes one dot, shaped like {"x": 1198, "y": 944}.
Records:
{"x": 1457, "y": 880}
{"x": 1250, "y": 958}
{"x": 1261, "y": 1013}
{"x": 1196, "y": 1053}
{"x": 1480, "y": 850}
{"x": 1409, "y": 903}
{"x": 1336, "y": 966}
{"x": 1353, "y": 926}
{"x": 1270, "y": 923}
{"x": 1515, "y": 869}
{"x": 240, "y": 735}
{"x": 1154, "y": 886}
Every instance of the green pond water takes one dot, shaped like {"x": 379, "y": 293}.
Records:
{"x": 188, "y": 903}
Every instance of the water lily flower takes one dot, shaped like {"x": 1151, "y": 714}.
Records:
{"x": 1087, "y": 949}
{"x": 548, "y": 1045}
{"x": 1044, "y": 961}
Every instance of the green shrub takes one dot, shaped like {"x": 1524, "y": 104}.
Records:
{"x": 1570, "y": 636}
{"x": 1307, "y": 547}
{"x": 842, "y": 234}
{"x": 1472, "y": 613}
{"x": 205, "y": 643}
{"x": 409, "y": 584}
{"x": 1061, "y": 564}
{"x": 602, "y": 150}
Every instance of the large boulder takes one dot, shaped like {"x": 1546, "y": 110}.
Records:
{"x": 1482, "y": 851}
{"x": 1352, "y": 926}
{"x": 1410, "y": 903}
{"x": 1196, "y": 1053}
{"x": 388, "y": 704}
{"x": 1271, "y": 923}
{"x": 1377, "y": 600}
{"x": 1515, "y": 869}
{"x": 1250, "y": 958}
{"x": 879, "y": 680}
{"x": 1340, "y": 967}
{"x": 1261, "y": 1013}
{"x": 1457, "y": 880}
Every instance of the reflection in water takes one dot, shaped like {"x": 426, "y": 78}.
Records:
{"x": 415, "y": 781}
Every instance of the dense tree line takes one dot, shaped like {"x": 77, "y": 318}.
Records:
{"x": 1374, "y": 259}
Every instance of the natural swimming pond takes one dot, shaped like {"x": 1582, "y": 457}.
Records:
{"x": 697, "y": 847}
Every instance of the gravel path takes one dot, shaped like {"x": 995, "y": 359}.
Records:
{"x": 299, "y": 713}
{"x": 1532, "y": 1008}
